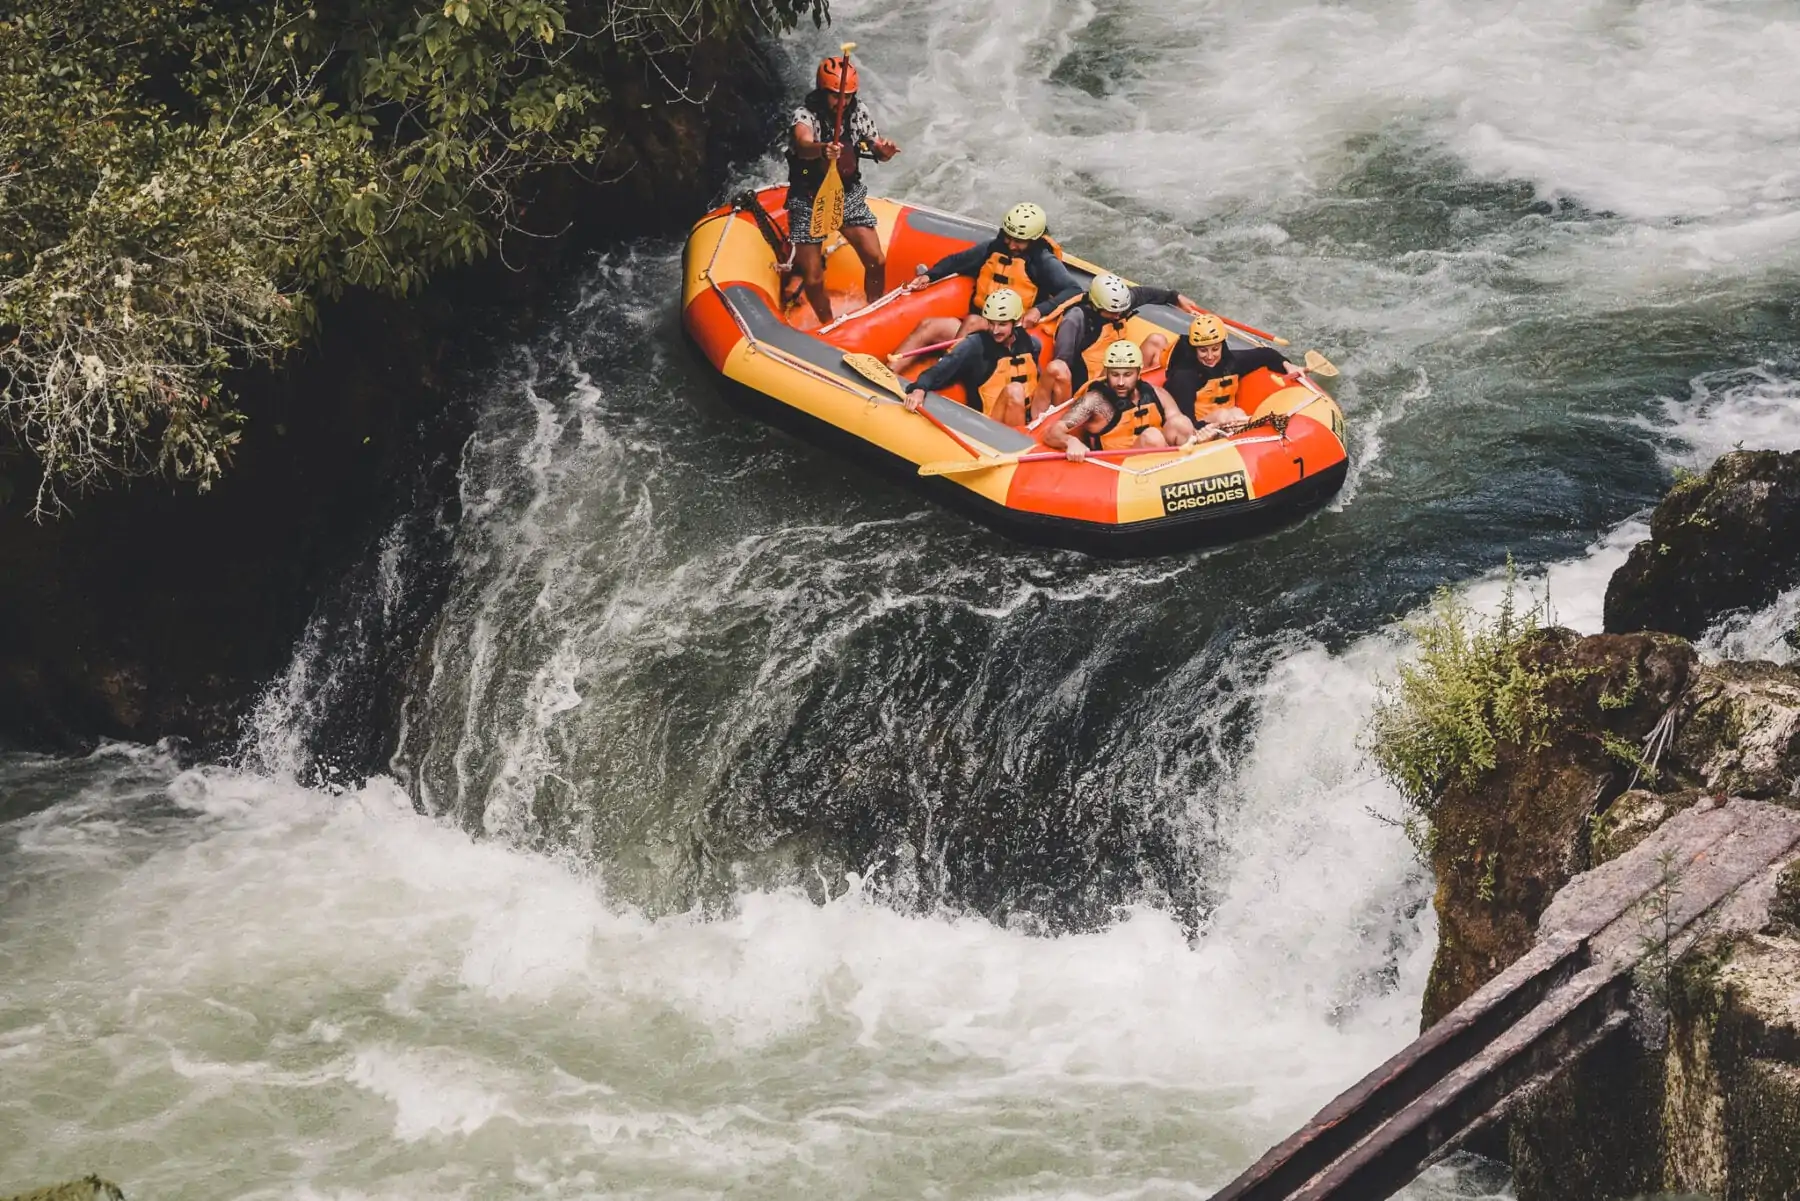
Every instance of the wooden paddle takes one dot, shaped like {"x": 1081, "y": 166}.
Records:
{"x": 881, "y": 375}
{"x": 958, "y": 466}
{"x": 1318, "y": 364}
{"x": 987, "y": 462}
{"x": 828, "y": 204}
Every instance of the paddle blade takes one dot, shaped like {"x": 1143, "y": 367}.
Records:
{"x": 828, "y": 205}
{"x": 1318, "y": 364}
{"x": 960, "y": 466}
{"x": 876, "y": 372}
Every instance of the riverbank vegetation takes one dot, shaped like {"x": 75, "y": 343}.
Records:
{"x": 1442, "y": 717}
{"x": 184, "y": 180}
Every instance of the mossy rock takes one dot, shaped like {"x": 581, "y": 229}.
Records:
{"x": 1719, "y": 542}
{"x": 1765, "y": 1130}
{"x": 1508, "y": 841}
{"x": 1739, "y": 731}
{"x": 1786, "y": 906}
{"x": 1634, "y": 816}
{"x": 90, "y": 1188}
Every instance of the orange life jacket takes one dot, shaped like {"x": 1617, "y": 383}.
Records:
{"x": 1221, "y": 391}
{"x": 1095, "y": 355}
{"x": 1129, "y": 419}
{"x": 1002, "y": 270}
{"x": 1098, "y": 332}
{"x": 1018, "y": 368}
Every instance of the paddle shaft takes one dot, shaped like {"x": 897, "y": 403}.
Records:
{"x": 1251, "y": 329}
{"x": 877, "y": 373}
{"x": 955, "y": 437}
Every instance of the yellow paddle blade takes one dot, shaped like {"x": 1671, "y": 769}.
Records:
{"x": 828, "y": 205}
{"x": 1318, "y": 364}
{"x": 959, "y": 466}
{"x": 848, "y": 47}
{"x": 876, "y": 372}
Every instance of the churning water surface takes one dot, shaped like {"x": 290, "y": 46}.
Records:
{"x": 761, "y": 830}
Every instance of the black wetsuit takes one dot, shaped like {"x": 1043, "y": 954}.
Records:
{"x": 1188, "y": 378}
{"x": 1081, "y": 325}
{"x": 973, "y": 361}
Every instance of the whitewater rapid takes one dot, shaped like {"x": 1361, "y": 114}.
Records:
{"x": 766, "y": 839}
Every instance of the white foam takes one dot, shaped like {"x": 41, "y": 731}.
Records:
{"x": 432, "y": 1093}
{"x": 1673, "y": 109}
{"x": 1767, "y": 633}
{"x": 1756, "y": 407}
{"x": 374, "y": 933}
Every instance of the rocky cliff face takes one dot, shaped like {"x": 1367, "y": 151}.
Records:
{"x": 1718, "y": 542}
{"x": 152, "y": 612}
{"x": 1702, "y": 1093}
{"x": 1502, "y": 847}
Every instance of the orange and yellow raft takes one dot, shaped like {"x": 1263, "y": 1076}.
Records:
{"x": 1147, "y": 504}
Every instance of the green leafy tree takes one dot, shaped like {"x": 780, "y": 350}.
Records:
{"x": 182, "y": 180}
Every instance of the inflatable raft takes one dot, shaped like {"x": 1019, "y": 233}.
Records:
{"x": 796, "y": 377}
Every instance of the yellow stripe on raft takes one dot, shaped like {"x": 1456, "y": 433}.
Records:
{"x": 884, "y": 423}
{"x": 1140, "y": 488}
{"x": 745, "y": 257}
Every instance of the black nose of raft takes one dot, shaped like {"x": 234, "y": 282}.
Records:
{"x": 1270, "y": 474}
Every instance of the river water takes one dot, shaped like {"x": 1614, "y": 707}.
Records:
{"x": 760, "y": 830}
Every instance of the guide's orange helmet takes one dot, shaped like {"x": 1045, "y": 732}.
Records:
{"x": 837, "y": 74}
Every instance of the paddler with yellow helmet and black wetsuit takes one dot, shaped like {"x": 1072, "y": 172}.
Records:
{"x": 832, "y": 109}
{"x": 997, "y": 365}
{"x": 1020, "y": 257}
{"x": 1119, "y": 410}
{"x": 1094, "y": 322}
{"x": 1204, "y": 373}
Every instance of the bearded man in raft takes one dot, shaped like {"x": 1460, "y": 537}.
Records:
{"x": 1120, "y": 410}
{"x": 1092, "y": 323}
{"x": 1020, "y": 257}
{"x": 997, "y": 365}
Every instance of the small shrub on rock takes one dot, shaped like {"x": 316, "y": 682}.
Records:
{"x": 1466, "y": 689}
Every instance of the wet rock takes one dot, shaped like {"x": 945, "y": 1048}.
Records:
{"x": 1642, "y": 731}
{"x": 1700, "y": 1095}
{"x": 91, "y": 1188}
{"x": 1732, "y": 1116}
{"x": 1719, "y": 542}
{"x": 1503, "y": 847}
{"x": 1593, "y": 1129}
{"x": 1738, "y": 730}
{"x": 1786, "y": 907}
{"x": 1632, "y": 817}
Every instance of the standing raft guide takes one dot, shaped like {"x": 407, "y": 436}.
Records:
{"x": 1048, "y": 398}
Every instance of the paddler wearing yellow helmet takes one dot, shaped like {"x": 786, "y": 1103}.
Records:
{"x": 1204, "y": 372}
{"x": 1020, "y": 257}
{"x": 997, "y": 365}
{"x": 832, "y": 122}
{"x": 1095, "y": 321}
{"x": 1120, "y": 409}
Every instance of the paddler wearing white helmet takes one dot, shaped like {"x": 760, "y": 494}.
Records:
{"x": 997, "y": 365}
{"x": 1092, "y": 322}
{"x": 1021, "y": 256}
